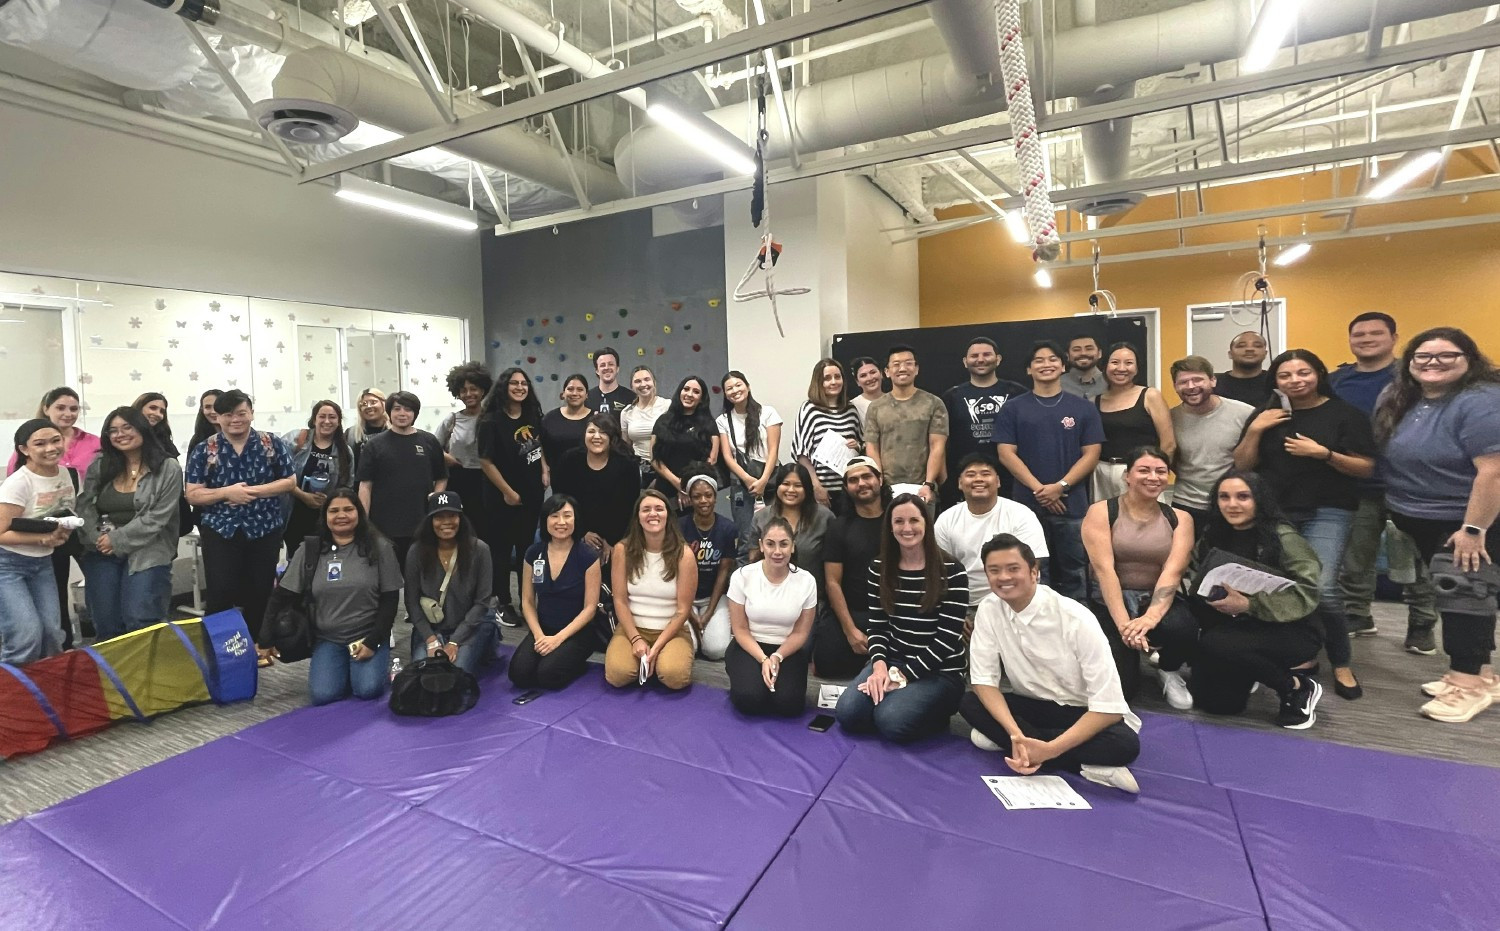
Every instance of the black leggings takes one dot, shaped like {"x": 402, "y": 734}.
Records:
{"x": 831, "y": 654}
{"x": 556, "y": 670}
{"x": 1175, "y": 638}
{"x": 512, "y": 531}
{"x": 1468, "y": 639}
{"x": 1116, "y": 745}
{"x": 748, "y": 692}
{"x": 62, "y": 566}
{"x": 1234, "y": 653}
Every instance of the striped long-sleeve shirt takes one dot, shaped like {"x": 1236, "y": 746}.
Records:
{"x": 812, "y": 423}
{"x": 921, "y": 643}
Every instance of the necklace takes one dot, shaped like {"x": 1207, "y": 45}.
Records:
{"x": 1056, "y": 401}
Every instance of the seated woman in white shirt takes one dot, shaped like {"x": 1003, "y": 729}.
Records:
{"x": 771, "y": 605}
{"x": 1064, "y": 710}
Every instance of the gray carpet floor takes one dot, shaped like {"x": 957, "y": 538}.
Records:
{"x": 1385, "y": 719}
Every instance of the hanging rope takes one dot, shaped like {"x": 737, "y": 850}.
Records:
{"x": 1256, "y": 285}
{"x": 1041, "y": 216}
{"x": 1097, "y": 294}
{"x": 770, "y": 250}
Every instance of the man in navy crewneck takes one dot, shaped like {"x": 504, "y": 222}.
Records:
{"x": 1049, "y": 440}
{"x": 1372, "y": 340}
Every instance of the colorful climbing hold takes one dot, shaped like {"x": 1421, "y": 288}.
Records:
{"x": 687, "y": 326}
{"x": 614, "y": 334}
{"x": 660, "y": 351}
{"x": 697, "y": 348}
{"x": 713, "y": 302}
{"x": 546, "y": 321}
{"x": 562, "y": 357}
{"x": 530, "y": 322}
{"x": 588, "y": 318}
{"x": 551, "y": 340}
{"x": 631, "y": 332}
{"x": 589, "y": 356}
{"x": 677, "y": 305}
{"x": 494, "y": 344}
{"x": 554, "y": 376}
{"x": 666, "y": 329}
{"x": 531, "y": 360}
{"x": 639, "y": 351}
{"x": 523, "y": 341}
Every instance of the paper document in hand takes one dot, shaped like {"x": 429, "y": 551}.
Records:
{"x": 1242, "y": 579}
{"x": 832, "y": 451}
{"x": 1019, "y": 793}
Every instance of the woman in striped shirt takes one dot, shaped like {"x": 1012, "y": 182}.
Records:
{"x": 918, "y": 603}
{"x": 827, "y": 410}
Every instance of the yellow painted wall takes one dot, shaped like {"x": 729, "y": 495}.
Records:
{"x": 1449, "y": 277}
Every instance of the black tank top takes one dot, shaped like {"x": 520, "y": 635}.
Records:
{"x": 1126, "y": 429}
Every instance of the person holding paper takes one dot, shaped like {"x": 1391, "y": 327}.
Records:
{"x": 653, "y": 575}
{"x": 1268, "y": 637}
{"x": 771, "y": 613}
{"x": 1065, "y": 709}
{"x": 827, "y": 414}
{"x": 1139, "y": 547}
{"x": 918, "y": 602}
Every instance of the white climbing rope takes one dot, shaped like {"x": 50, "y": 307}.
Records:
{"x": 765, "y": 261}
{"x": 1041, "y": 216}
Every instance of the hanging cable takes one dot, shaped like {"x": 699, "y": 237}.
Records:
{"x": 769, "y": 252}
{"x": 1095, "y": 296}
{"x": 1256, "y": 296}
{"x": 1041, "y": 216}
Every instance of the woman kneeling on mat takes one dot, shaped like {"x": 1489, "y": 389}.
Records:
{"x": 559, "y": 598}
{"x": 449, "y": 586}
{"x": 1065, "y": 709}
{"x": 771, "y": 606}
{"x": 918, "y": 605}
{"x": 653, "y": 576}
{"x": 1268, "y": 638}
{"x": 356, "y": 584}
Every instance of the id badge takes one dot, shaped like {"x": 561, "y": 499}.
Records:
{"x": 538, "y": 571}
{"x": 335, "y": 570}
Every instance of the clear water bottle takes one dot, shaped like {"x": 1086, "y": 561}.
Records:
{"x": 395, "y": 667}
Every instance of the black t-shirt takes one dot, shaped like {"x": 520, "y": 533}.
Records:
{"x": 606, "y": 497}
{"x": 514, "y": 445}
{"x": 1303, "y": 484}
{"x": 677, "y": 448}
{"x": 971, "y": 417}
{"x": 401, "y": 469}
{"x": 559, "y": 434}
{"x": 612, "y": 403}
{"x": 1253, "y": 391}
{"x": 854, "y": 542}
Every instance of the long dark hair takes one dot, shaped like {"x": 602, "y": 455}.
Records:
{"x": 1303, "y": 355}
{"x": 1268, "y": 518}
{"x": 366, "y": 536}
{"x": 610, "y": 427}
{"x": 202, "y": 427}
{"x": 934, "y": 574}
{"x": 751, "y": 440}
{"x": 425, "y": 543}
{"x": 700, "y": 423}
{"x": 112, "y": 461}
{"x": 495, "y": 401}
{"x": 162, "y": 430}
{"x": 340, "y": 442}
{"x": 1404, "y": 392}
{"x": 809, "y": 506}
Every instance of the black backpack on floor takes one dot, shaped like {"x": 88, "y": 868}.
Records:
{"x": 432, "y": 688}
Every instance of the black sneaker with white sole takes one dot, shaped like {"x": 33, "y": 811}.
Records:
{"x": 1298, "y": 706}
{"x": 1362, "y": 627}
{"x": 508, "y": 616}
{"x": 1421, "y": 641}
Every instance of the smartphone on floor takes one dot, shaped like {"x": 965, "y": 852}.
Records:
{"x": 525, "y": 697}
{"x": 821, "y": 723}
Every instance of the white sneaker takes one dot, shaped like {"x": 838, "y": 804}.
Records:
{"x": 1116, "y": 777}
{"x": 982, "y": 742}
{"x": 1439, "y": 686}
{"x": 1176, "y": 690}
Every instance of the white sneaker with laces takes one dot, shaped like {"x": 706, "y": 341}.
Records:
{"x": 982, "y": 742}
{"x": 1176, "y": 690}
{"x": 1435, "y": 688}
{"x": 1116, "y": 777}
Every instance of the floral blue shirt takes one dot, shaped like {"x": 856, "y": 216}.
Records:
{"x": 264, "y": 459}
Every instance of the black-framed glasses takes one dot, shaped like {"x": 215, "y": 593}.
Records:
{"x": 1442, "y": 358}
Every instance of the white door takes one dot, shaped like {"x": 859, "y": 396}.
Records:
{"x": 1212, "y": 327}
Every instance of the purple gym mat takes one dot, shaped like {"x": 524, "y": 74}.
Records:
{"x": 215, "y": 829}
{"x": 411, "y": 759}
{"x": 698, "y": 727}
{"x": 1122, "y": 836}
{"x": 44, "y": 886}
{"x": 685, "y": 835}
{"x": 847, "y": 868}
{"x": 549, "y": 707}
{"x": 1169, "y": 746}
{"x": 458, "y": 879}
{"x": 1322, "y": 870}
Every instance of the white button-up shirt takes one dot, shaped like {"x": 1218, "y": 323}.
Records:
{"x": 1054, "y": 651}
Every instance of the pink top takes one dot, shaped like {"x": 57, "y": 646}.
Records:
{"x": 76, "y": 455}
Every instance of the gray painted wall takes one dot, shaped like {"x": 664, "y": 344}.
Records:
{"x": 550, "y": 299}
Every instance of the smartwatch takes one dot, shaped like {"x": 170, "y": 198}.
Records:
{"x": 1063, "y": 484}
{"x": 1473, "y": 530}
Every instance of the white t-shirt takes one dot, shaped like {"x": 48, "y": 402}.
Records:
{"x": 962, "y": 534}
{"x": 38, "y": 496}
{"x": 861, "y": 404}
{"x": 637, "y": 424}
{"x": 772, "y": 610}
{"x": 768, "y": 418}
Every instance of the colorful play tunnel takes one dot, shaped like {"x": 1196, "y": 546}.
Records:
{"x": 137, "y": 676}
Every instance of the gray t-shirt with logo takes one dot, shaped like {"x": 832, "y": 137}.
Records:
{"x": 346, "y": 589}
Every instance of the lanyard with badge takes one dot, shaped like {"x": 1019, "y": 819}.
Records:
{"x": 335, "y": 570}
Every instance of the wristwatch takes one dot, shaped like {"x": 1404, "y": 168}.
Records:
{"x": 931, "y": 485}
{"x": 1063, "y": 484}
{"x": 1473, "y": 530}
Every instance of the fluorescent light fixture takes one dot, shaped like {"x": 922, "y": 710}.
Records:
{"x": 42, "y": 301}
{"x": 1292, "y": 254}
{"x": 1015, "y": 224}
{"x": 1043, "y": 278}
{"x": 1410, "y": 170}
{"x": 404, "y": 203}
{"x": 1272, "y": 25}
{"x": 734, "y": 157}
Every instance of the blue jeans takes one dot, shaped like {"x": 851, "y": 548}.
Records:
{"x": 333, "y": 675}
{"x": 473, "y": 655}
{"x": 1327, "y": 532}
{"x": 120, "y": 600}
{"x": 30, "y": 626}
{"x": 1066, "y": 560}
{"x": 920, "y": 709}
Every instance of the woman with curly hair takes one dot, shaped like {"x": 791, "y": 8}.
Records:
{"x": 459, "y": 431}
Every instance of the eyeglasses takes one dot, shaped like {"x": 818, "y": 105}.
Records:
{"x": 1442, "y": 358}
{"x": 121, "y": 431}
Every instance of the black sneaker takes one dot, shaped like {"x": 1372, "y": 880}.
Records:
{"x": 1362, "y": 627}
{"x": 1297, "y": 706}
{"x": 1421, "y": 641}
{"x": 508, "y": 616}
